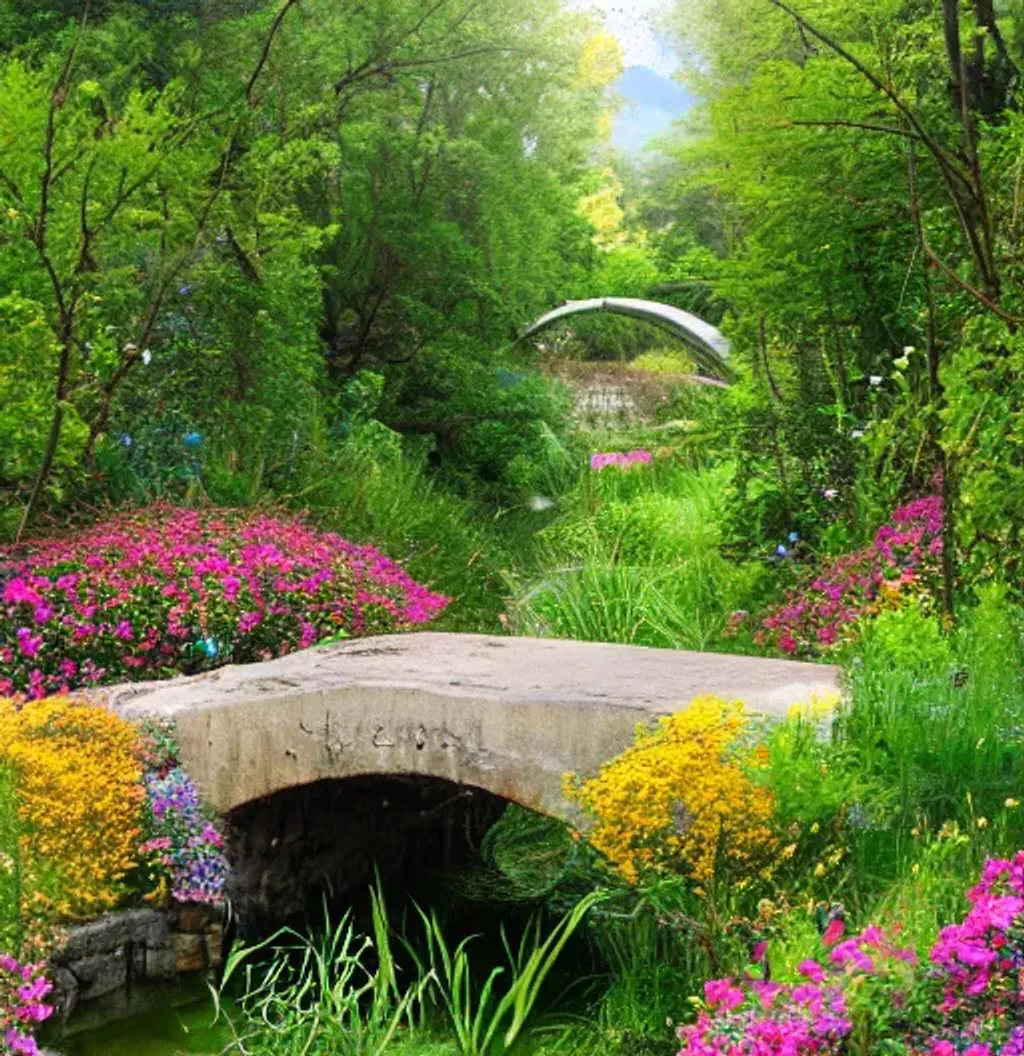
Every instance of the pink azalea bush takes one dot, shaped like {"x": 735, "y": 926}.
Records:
{"x": 23, "y": 990}
{"x": 903, "y": 556}
{"x": 869, "y": 994}
{"x": 620, "y": 460}
{"x": 167, "y": 590}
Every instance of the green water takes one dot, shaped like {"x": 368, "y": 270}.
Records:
{"x": 165, "y": 1022}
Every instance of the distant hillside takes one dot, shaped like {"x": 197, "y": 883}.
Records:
{"x": 652, "y": 103}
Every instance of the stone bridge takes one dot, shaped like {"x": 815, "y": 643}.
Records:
{"x": 506, "y": 715}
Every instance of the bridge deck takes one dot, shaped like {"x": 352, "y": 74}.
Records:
{"x": 508, "y": 714}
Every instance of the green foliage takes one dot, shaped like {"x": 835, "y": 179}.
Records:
{"x": 340, "y": 994}
{"x": 492, "y": 1019}
{"x": 211, "y": 224}
{"x": 635, "y": 563}
{"x": 10, "y": 862}
{"x": 496, "y": 425}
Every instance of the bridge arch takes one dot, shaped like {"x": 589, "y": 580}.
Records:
{"x": 709, "y": 347}
{"x": 510, "y": 716}
{"x": 496, "y": 719}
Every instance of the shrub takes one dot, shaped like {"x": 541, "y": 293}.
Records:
{"x": 79, "y": 784}
{"x": 902, "y": 559}
{"x": 681, "y": 798}
{"x": 167, "y": 590}
{"x": 23, "y": 988}
{"x": 869, "y": 996}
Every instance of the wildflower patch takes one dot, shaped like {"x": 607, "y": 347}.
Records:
{"x": 172, "y": 590}
{"x": 868, "y": 993}
{"x": 902, "y": 560}
{"x": 682, "y": 798}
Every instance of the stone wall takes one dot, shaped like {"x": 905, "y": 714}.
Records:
{"x": 132, "y": 948}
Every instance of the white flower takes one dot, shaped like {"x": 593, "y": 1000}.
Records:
{"x": 147, "y": 356}
{"x": 857, "y": 434}
{"x": 875, "y": 379}
{"x": 830, "y": 493}
{"x": 539, "y": 503}
{"x": 909, "y": 350}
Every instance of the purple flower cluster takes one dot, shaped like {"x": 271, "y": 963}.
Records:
{"x": 970, "y": 1002}
{"x": 23, "y": 988}
{"x": 180, "y": 841}
{"x": 620, "y": 460}
{"x": 904, "y": 555}
{"x": 169, "y": 589}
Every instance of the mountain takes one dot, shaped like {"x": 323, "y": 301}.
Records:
{"x": 652, "y": 103}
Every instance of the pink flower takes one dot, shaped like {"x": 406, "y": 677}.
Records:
{"x": 723, "y": 993}
{"x": 834, "y": 932}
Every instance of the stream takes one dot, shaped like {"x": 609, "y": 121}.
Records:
{"x": 165, "y": 1021}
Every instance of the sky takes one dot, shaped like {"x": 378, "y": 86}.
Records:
{"x": 631, "y": 22}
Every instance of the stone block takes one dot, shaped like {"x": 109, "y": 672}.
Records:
{"x": 214, "y": 944}
{"x": 66, "y": 993}
{"x": 112, "y": 932}
{"x": 161, "y": 963}
{"x": 189, "y": 952}
{"x": 194, "y": 919}
{"x": 100, "y": 973}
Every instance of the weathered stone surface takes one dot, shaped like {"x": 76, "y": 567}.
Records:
{"x": 214, "y": 945}
{"x": 161, "y": 963}
{"x": 139, "y": 926}
{"x": 100, "y": 973}
{"x": 195, "y": 918}
{"x": 66, "y": 992}
{"x": 508, "y": 715}
{"x": 189, "y": 952}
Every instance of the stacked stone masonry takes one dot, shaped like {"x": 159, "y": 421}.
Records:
{"x": 133, "y": 948}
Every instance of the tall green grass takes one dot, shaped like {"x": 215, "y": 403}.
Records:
{"x": 344, "y": 994}
{"x": 11, "y": 936}
{"x": 636, "y": 560}
{"x": 942, "y": 730}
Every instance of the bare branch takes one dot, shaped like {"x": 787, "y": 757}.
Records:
{"x": 265, "y": 53}
{"x": 863, "y": 125}
{"x": 1011, "y": 320}
{"x": 934, "y": 148}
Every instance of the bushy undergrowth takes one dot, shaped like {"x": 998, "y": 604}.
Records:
{"x": 168, "y": 590}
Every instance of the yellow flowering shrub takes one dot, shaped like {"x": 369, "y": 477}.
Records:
{"x": 681, "y": 798}
{"x": 79, "y": 789}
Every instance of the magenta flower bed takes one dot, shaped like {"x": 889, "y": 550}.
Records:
{"x": 968, "y": 1000}
{"x": 170, "y": 590}
{"x": 904, "y": 556}
{"x": 23, "y": 989}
